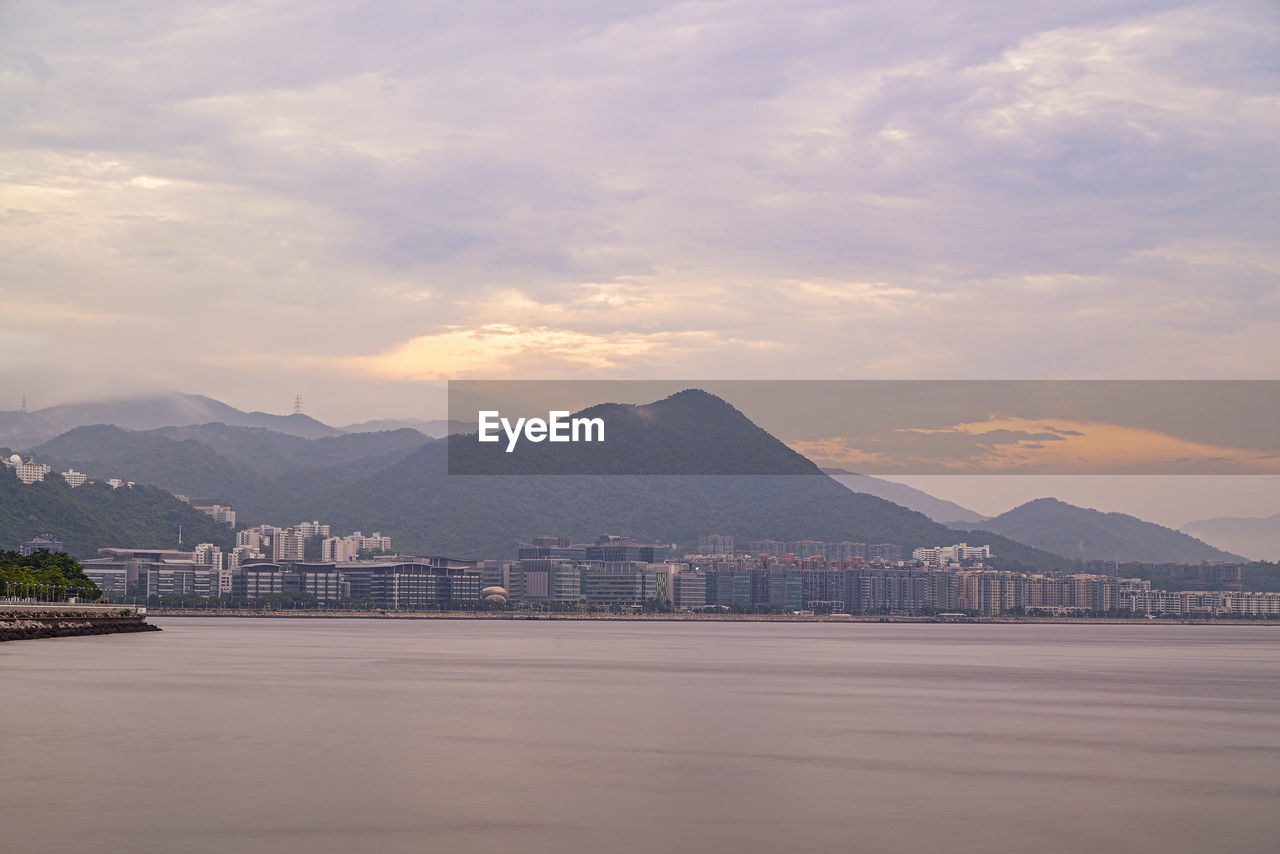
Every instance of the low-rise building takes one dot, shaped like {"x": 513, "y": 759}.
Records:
{"x": 28, "y": 471}
{"x": 44, "y": 542}
{"x": 219, "y": 513}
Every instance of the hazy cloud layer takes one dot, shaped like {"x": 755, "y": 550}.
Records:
{"x": 348, "y": 199}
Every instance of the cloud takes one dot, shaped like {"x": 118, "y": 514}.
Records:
{"x": 499, "y": 350}
{"x": 1011, "y": 445}
{"x": 842, "y": 190}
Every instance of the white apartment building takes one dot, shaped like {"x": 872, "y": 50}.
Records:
{"x": 28, "y": 472}
{"x": 260, "y": 538}
{"x": 375, "y": 542}
{"x": 339, "y": 549}
{"x": 946, "y": 555}
{"x": 207, "y": 554}
{"x": 219, "y": 513}
{"x": 240, "y": 554}
{"x": 289, "y": 544}
{"x": 312, "y": 529}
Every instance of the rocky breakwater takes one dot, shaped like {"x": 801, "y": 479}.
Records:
{"x": 26, "y": 622}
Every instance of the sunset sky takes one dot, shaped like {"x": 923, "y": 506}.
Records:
{"x": 355, "y": 201}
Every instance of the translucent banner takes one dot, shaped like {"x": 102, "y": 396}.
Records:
{"x": 688, "y": 427}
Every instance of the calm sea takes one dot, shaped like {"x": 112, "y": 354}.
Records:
{"x": 235, "y": 735}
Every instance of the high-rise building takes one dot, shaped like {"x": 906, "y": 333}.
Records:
{"x": 311, "y": 529}
{"x": 339, "y": 549}
{"x": 207, "y": 554}
{"x": 289, "y": 545}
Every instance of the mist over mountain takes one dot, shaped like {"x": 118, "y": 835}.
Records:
{"x": 1258, "y": 538}
{"x": 1084, "y": 534}
{"x": 257, "y": 469}
{"x": 24, "y": 430}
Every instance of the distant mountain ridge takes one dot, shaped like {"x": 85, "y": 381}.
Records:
{"x": 487, "y": 515}
{"x": 1259, "y": 538}
{"x": 398, "y": 483}
{"x": 937, "y": 509}
{"x": 23, "y": 430}
{"x": 253, "y": 466}
{"x": 1084, "y": 534}
{"x": 435, "y": 429}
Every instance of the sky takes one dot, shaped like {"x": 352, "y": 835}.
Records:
{"x": 357, "y": 201}
{"x": 931, "y": 427}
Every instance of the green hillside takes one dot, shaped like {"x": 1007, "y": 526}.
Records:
{"x": 179, "y": 465}
{"x": 211, "y": 460}
{"x": 94, "y": 516}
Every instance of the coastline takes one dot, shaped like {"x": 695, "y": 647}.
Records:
{"x": 710, "y": 618}
{"x": 32, "y": 622}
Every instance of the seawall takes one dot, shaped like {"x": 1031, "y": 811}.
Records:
{"x": 28, "y": 623}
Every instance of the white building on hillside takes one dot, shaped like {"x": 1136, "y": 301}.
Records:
{"x": 946, "y": 555}
{"x": 28, "y": 472}
{"x": 219, "y": 513}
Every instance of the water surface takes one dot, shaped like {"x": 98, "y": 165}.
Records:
{"x": 434, "y": 735}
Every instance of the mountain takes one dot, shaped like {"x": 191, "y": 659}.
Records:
{"x": 398, "y": 483}
{"x": 1259, "y": 538}
{"x": 257, "y": 470}
{"x": 689, "y": 433}
{"x": 27, "y": 429}
{"x": 435, "y": 428}
{"x": 425, "y": 509}
{"x": 179, "y": 465}
{"x": 95, "y": 515}
{"x": 1084, "y": 534}
{"x": 271, "y": 453}
{"x": 937, "y": 509}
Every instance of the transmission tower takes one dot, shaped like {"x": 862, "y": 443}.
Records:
{"x": 24, "y": 401}
{"x": 297, "y": 404}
